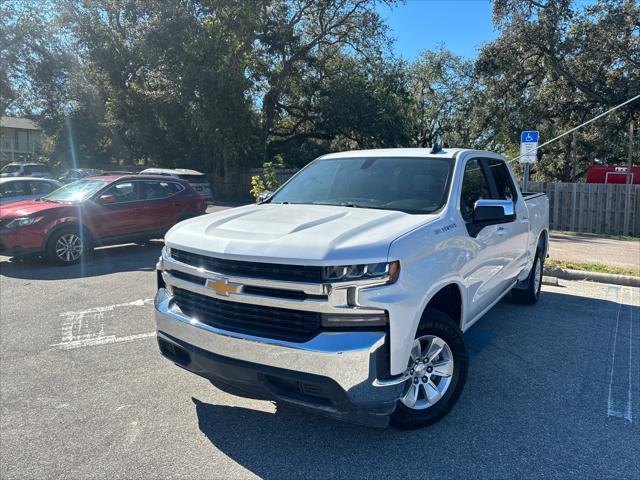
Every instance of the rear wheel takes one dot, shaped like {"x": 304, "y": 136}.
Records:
{"x": 437, "y": 370}
{"x": 531, "y": 294}
{"x": 66, "y": 247}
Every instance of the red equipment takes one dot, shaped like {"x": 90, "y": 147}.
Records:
{"x": 616, "y": 174}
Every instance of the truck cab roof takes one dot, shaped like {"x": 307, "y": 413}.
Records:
{"x": 451, "y": 153}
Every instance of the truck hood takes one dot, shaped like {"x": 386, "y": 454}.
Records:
{"x": 28, "y": 207}
{"x": 296, "y": 234}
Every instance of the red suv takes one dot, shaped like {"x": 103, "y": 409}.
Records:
{"x": 64, "y": 224}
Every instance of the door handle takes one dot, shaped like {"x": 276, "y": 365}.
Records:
{"x": 501, "y": 231}
{"x": 524, "y": 220}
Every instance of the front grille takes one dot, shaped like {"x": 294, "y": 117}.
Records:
{"x": 271, "y": 271}
{"x": 269, "y": 322}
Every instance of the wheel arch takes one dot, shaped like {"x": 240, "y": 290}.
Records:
{"x": 543, "y": 243}
{"x": 447, "y": 299}
{"x": 89, "y": 239}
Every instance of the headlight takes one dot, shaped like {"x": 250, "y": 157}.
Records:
{"x": 370, "y": 271}
{"x": 23, "y": 222}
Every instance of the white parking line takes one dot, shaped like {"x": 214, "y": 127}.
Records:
{"x": 91, "y": 342}
{"x": 629, "y": 415}
{"x": 616, "y": 405}
{"x": 85, "y": 328}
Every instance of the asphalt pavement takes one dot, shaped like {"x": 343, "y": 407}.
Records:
{"x": 553, "y": 391}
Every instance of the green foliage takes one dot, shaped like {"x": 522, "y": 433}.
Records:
{"x": 257, "y": 187}
{"x": 270, "y": 183}
{"x": 222, "y": 86}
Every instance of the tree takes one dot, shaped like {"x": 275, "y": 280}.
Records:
{"x": 553, "y": 67}
{"x": 443, "y": 92}
{"x": 297, "y": 39}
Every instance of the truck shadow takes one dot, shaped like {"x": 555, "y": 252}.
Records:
{"x": 520, "y": 408}
{"x": 102, "y": 261}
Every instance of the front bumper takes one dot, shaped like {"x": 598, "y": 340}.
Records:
{"x": 335, "y": 373}
{"x": 21, "y": 241}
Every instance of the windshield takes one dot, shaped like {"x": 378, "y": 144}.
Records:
{"x": 11, "y": 168}
{"x": 76, "y": 191}
{"x": 412, "y": 185}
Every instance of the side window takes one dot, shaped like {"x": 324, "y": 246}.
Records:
{"x": 41, "y": 188}
{"x": 474, "y": 187}
{"x": 502, "y": 179}
{"x": 157, "y": 190}
{"x": 12, "y": 189}
{"x": 124, "y": 192}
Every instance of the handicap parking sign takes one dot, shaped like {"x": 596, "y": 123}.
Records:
{"x": 529, "y": 137}
{"x": 528, "y": 146}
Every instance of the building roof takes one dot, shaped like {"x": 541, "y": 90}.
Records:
{"x": 21, "y": 123}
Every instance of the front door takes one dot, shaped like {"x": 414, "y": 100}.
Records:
{"x": 516, "y": 233}
{"x": 486, "y": 249}
{"x": 118, "y": 211}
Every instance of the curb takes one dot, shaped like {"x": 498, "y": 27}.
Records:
{"x": 568, "y": 274}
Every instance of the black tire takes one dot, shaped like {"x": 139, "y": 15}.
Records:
{"x": 69, "y": 235}
{"x": 531, "y": 294}
{"x": 436, "y": 323}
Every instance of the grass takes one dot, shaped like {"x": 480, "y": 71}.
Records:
{"x": 591, "y": 267}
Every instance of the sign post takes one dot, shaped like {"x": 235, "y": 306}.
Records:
{"x": 528, "y": 153}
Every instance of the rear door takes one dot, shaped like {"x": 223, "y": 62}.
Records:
{"x": 124, "y": 216}
{"x": 163, "y": 204}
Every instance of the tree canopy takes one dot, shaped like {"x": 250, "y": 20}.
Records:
{"x": 221, "y": 85}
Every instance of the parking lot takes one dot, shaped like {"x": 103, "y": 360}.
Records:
{"x": 553, "y": 390}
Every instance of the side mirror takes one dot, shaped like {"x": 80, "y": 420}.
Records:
{"x": 493, "y": 211}
{"x": 264, "y": 196}
{"x": 107, "y": 199}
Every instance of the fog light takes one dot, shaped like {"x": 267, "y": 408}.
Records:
{"x": 361, "y": 320}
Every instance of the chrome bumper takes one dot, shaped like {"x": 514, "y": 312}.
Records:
{"x": 348, "y": 358}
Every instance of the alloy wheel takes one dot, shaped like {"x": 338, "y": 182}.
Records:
{"x": 69, "y": 247}
{"x": 430, "y": 370}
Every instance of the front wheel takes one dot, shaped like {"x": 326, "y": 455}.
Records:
{"x": 66, "y": 247}
{"x": 437, "y": 373}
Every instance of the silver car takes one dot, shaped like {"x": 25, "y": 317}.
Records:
{"x": 197, "y": 180}
{"x": 16, "y": 189}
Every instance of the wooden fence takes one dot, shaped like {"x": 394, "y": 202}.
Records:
{"x": 592, "y": 208}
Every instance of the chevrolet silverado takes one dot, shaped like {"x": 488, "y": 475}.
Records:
{"x": 347, "y": 291}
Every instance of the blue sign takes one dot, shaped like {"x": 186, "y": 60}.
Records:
{"x": 529, "y": 137}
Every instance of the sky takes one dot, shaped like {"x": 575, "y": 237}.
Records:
{"x": 462, "y": 26}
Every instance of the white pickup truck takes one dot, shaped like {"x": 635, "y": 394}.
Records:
{"x": 348, "y": 290}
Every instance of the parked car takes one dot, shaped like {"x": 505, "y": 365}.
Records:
{"x": 66, "y": 223}
{"x": 198, "y": 180}
{"x": 348, "y": 290}
{"x": 16, "y": 189}
{"x": 74, "y": 174}
{"x": 26, "y": 169}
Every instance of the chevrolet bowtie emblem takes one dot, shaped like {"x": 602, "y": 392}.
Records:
{"x": 222, "y": 287}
